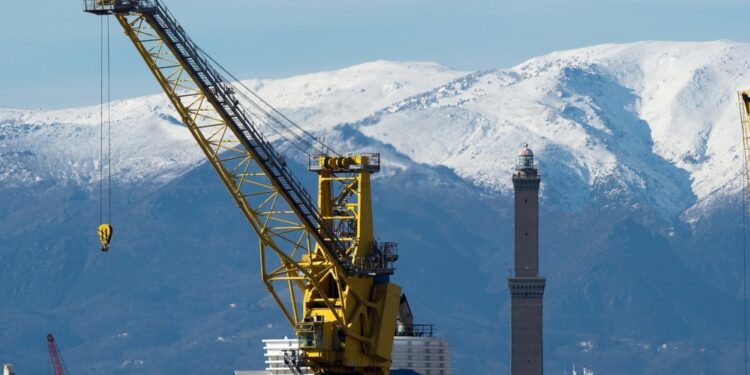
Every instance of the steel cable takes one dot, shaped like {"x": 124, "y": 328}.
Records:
{"x": 275, "y": 116}
{"x": 109, "y": 127}
{"x": 744, "y": 267}
{"x": 101, "y": 119}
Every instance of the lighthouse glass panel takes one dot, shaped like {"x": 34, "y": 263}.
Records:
{"x": 525, "y": 162}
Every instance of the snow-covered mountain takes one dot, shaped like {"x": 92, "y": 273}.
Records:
{"x": 150, "y": 144}
{"x": 651, "y": 115}
{"x": 628, "y": 111}
{"x": 639, "y": 147}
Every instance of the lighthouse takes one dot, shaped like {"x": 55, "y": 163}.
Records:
{"x": 526, "y": 287}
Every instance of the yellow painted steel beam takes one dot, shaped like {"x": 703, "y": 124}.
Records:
{"x": 369, "y": 306}
{"x": 281, "y": 232}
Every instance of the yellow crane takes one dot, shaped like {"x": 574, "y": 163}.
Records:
{"x": 321, "y": 263}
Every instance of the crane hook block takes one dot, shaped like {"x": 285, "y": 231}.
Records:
{"x": 105, "y": 235}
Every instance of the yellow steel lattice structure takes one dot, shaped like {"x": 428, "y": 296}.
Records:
{"x": 368, "y": 303}
{"x": 321, "y": 264}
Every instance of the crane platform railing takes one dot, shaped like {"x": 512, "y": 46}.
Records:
{"x": 114, "y": 6}
{"x": 371, "y": 163}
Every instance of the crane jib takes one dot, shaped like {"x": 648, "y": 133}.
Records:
{"x": 219, "y": 91}
{"x": 212, "y": 82}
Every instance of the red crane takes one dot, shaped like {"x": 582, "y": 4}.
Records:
{"x": 54, "y": 356}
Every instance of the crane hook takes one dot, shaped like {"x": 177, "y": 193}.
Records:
{"x": 105, "y": 235}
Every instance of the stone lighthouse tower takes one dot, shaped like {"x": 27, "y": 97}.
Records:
{"x": 526, "y": 286}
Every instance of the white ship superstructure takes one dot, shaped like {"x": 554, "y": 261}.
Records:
{"x": 423, "y": 355}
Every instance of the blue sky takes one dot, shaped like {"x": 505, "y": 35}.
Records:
{"x": 49, "y": 54}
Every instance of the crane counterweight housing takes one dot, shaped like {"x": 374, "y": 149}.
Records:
{"x": 320, "y": 262}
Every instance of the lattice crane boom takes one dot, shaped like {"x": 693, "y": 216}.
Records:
{"x": 340, "y": 300}
{"x": 54, "y": 356}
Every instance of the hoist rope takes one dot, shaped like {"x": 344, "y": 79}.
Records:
{"x": 105, "y": 43}
{"x": 744, "y": 264}
{"x": 109, "y": 127}
{"x": 277, "y": 119}
{"x": 296, "y": 140}
{"x": 101, "y": 119}
{"x": 744, "y": 270}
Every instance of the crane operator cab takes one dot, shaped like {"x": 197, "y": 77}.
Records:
{"x": 310, "y": 333}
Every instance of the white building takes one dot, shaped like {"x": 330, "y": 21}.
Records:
{"x": 273, "y": 351}
{"x": 8, "y": 369}
{"x": 424, "y": 355}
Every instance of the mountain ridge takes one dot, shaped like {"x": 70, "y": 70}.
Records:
{"x": 637, "y": 225}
